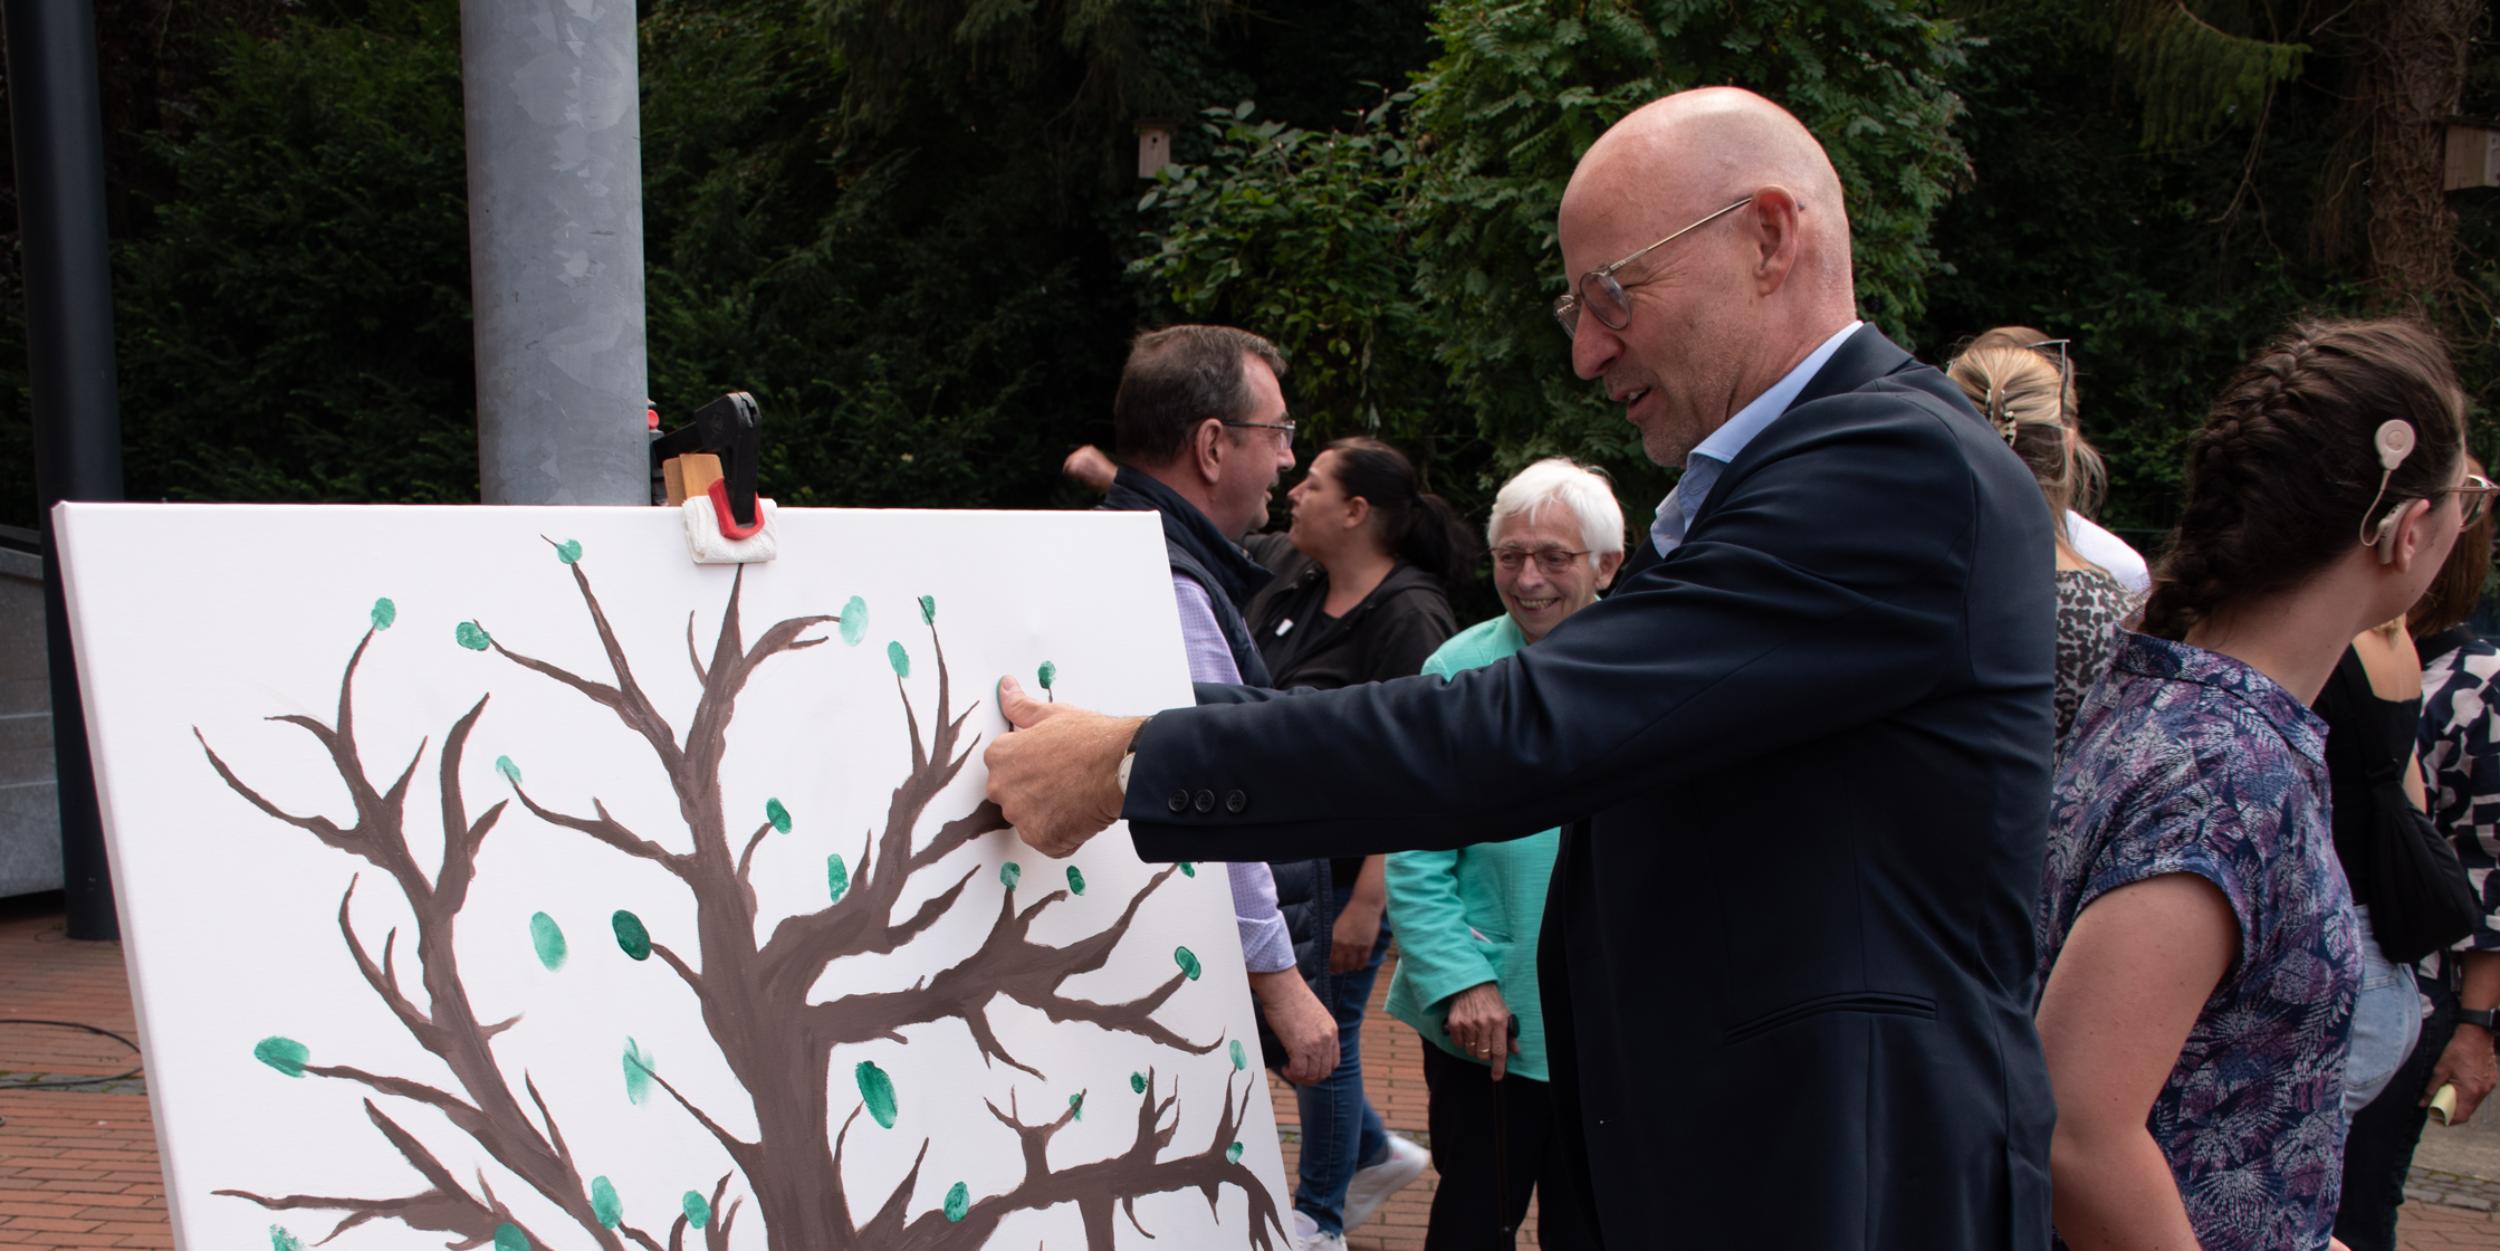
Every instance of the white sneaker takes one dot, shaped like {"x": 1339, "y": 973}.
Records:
{"x": 1306, "y": 1235}
{"x": 1372, "y": 1186}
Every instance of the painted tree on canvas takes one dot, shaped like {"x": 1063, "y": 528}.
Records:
{"x": 784, "y": 1046}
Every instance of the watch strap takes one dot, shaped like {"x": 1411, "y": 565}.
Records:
{"x": 2477, "y": 1016}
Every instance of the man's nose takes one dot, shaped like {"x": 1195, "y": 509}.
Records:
{"x": 1284, "y": 455}
{"x": 1593, "y": 347}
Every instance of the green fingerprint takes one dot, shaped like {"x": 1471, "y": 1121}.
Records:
{"x": 1188, "y": 960}
{"x": 281, "y": 1240}
{"x": 1232, "y": 1154}
{"x": 283, "y": 1054}
{"x": 837, "y": 877}
{"x": 928, "y": 610}
{"x": 1076, "y": 1105}
{"x": 1048, "y": 674}
{"x": 1076, "y": 881}
{"x": 1137, "y": 1082}
{"x": 548, "y": 938}
{"x": 854, "y": 621}
{"x": 604, "y": 1204}
{"x": 778, "y": 815}
{"x": 1241, "y": 1060}
{"x": 473, "y": 636}
{"x": 508, "y": 1237}
{"x": 637, "y": 1073}
{"x": 384, "y": 613}
{"x": 510, "y": 771}
{"x": 630, "y": 936}
{"x": 698, "y": 1213}
{"x": 877, "y": 1090}
{"x": 1009, "y": 873}
{"x": 569, "y": 550}
{"x": 1188, "y": 869}
{"x": 958, "y": 1201}
{"x": 897, "y": 657}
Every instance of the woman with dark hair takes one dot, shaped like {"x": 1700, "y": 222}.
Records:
{"x": 1359, "y": 597}
{"x": 2198, "y": 952}
{"x": 2459, "y": 745}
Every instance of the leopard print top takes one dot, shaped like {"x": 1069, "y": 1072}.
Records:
{"x": 2092, "y": 609}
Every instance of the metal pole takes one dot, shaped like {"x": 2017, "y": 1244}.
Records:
{"x": 555, "y": 250}
{"x": 57, "y": 125}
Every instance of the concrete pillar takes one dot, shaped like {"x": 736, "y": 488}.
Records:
{"x": 555, "y": 250}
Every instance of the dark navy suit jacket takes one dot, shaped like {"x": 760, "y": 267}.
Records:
{"x": 1803, "y": 762}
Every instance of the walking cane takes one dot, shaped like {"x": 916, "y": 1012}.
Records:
{"x": 1501, "y": 1154}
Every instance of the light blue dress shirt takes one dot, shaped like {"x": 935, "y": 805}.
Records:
{"x": 1714, "y": 454}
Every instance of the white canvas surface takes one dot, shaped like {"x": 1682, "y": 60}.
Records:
{"x": 197, "y": 625}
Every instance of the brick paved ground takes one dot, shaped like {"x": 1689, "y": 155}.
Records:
{"x": 78, "y": 1166}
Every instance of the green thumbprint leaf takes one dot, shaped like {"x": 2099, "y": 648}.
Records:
{"x": 283, "y": 1054}
{"x": 473, "y": 636}
{"x": 1009, "y": 873}
{"x": 1137, "y": 1082}
{"x": 837, "y": 878}
{"x": 1048, "y": 674}
{"x": 1188, "y": 960}
{"x": 569, "y": 550}
{"x": 634, "y": 940}
{"x": 928, "y": 610}
{"x": 958, "y": 1201}
{"x": 1076, "y": 880}
{"x": 508, "y": 1237}
{"x": 510, "y": 771}
{"x": 854, "y": 621}
{"x": 877, "y": 1091}
{"x": 1076, "y": 1105}
{"x": 897, "y": 657}
{"x": 384, "y": 613}
{"x": 548, "y": 938}
{"x": 1241, "y": 1059}
{"x": 637, "y": 1073}
{"x": 698, "y": 1213}
{"x": 604, "y": 1204}
{"x": 1188, "y": 869}
{"x": 281, "y": 1240}
{"x": 778, "y": 815}
{"x": 1232, "y": 1154}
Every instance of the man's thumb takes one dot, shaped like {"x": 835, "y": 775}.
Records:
{"x": 1020, "y": 709}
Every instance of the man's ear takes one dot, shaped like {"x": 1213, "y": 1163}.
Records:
{"x": 1607, "y": 566}
{"x": 1207, "y": 447}
{"x": 1773, "y": 217}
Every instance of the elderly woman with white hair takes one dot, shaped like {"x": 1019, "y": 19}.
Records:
{"x": 1467, "y": 920}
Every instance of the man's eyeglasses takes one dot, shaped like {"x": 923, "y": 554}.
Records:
{"x": 1554, "y": 561}
{"x": 2475, "y": 494}
{"x": 1599, "y": 293}
{"x": 1284, "y": 428}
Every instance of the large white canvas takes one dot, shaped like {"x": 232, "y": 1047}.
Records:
{"x": 1068, "y": 1045}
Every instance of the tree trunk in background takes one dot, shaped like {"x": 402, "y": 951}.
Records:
{"x": 2413, "y": 81}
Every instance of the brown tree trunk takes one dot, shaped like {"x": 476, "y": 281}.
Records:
{"x": 2413, "y": 81}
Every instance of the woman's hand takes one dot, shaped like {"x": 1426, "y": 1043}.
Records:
{"x": 1479, "y": 1023}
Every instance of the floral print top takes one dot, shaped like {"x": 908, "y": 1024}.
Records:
{"x": 2187, "y": 761}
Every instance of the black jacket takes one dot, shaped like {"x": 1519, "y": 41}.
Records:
{"x": 1787, "y": 960}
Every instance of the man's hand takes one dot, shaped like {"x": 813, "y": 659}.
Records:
{"x": 1351, "y": 941}
{"x": 1480, "y": 1024}
{"x": 1089, "y": 468}
{"x": 2469, "y": 1064}
{"x": 1300, "y": 1021}
{"x": 1056, "y": 774}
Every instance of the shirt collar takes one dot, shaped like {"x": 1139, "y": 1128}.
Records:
{"x": 1725, "y": 444}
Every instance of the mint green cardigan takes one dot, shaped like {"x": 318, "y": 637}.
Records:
{"x": 1471, "y": 916}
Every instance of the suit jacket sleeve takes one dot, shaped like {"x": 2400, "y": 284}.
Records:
{"x": 1823, "y": 586}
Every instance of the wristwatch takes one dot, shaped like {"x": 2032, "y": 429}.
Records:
{"x": 1128, "y": 761}
{"x": 2477, "y": 1016}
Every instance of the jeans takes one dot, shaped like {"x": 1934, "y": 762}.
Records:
{"x": 1340, "y": 1131}
{"x": 2378, "y": 1153}
{"x": 2386, "y": 1018}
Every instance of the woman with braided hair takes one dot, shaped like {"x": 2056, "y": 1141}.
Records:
{"x": 2197, "y": 946}
{"x": 2022, "y": 396}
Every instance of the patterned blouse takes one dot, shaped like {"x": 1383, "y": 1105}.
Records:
{"x": 2186, "y": 761}
{"x": 2090, "y": 607}
{"x": 2461, "y": 752}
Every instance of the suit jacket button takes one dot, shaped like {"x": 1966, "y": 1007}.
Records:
{"x": 1179, "y": 801}
{"x": 1235, "y": 801}
{"x": 1205, "y": 801}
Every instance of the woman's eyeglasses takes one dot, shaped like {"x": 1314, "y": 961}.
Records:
{"x": 2474, "y": 494}
{"x": 1554, "y": 561}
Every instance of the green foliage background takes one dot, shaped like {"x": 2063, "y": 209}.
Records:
{"x": 915, "y": 231}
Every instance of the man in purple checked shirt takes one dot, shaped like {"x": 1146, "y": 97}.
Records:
{"x": 1201, "y": 426}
